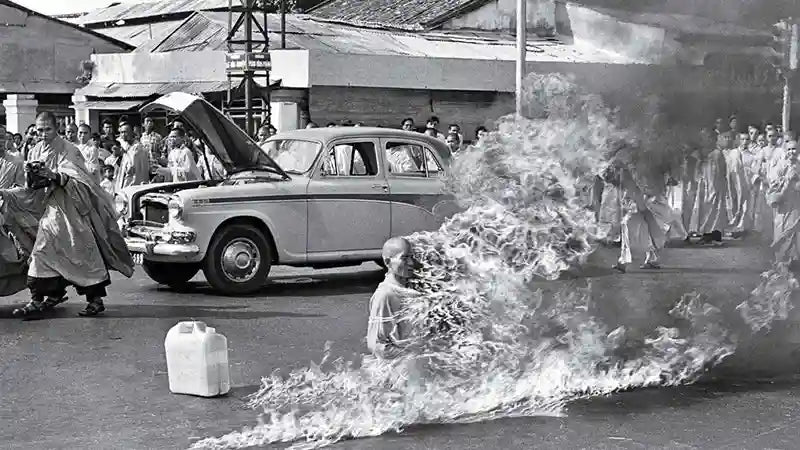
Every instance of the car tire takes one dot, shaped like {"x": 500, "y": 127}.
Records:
{"x": 238, "y": 260}
{"x": 174, "y": 275}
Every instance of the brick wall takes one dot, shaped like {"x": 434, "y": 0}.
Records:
{"x": 388, "y": 107}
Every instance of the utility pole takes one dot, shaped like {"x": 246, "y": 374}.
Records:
{"x": 522, "y": 50}
{"x": 788, "y": 78}
{"x": 784, "y": 57}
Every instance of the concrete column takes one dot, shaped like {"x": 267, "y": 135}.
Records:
{"x": 20, "y": 112}
{"x": 285, "y": 115}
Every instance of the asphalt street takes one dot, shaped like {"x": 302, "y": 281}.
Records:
{"x": 101, "y": 383}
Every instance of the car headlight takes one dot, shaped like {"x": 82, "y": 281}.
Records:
{"x": 121, "y": 203}
{"x": 175, "y": 207}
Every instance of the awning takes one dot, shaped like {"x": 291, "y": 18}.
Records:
{"x": 128, "y": 90}
{"x": 110, "y": 105}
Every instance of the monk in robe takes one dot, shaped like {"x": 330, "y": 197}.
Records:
{"x": 758, "y": 217}
{"x": 641, "y": 231}
{"x": 689, "y": 184}
{"x": 710, "y": 214}
{"x": 63, "y": 226}
{"x": 738, "y": 198}
{"x": 784, "y": 196}
{"x": 11, "y": 168}
{"x": 607, "y": 204}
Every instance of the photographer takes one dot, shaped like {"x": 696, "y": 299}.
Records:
{"x": 67, "y": 224}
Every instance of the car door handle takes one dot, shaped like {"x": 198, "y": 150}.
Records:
{"x": 380, "y": 186}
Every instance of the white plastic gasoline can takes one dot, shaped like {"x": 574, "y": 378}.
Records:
{"x": 197, "y": 360}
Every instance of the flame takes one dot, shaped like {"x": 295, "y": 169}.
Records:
{"x": 491, "y": 343}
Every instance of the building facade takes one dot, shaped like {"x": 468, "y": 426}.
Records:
{"x": 370, "y": 62}
{"x": 42, "y": 57}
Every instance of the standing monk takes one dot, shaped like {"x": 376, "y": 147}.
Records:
{"x": 66, "y": 225}
{"x": 739, "y": 207}
{"x": 710, "y": 215}
{"x": 784, "y": 196}
{"x": 641, "y": 230}
{"x": 134, "y": 168}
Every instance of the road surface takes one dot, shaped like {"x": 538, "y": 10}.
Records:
{"x": 101, "y": 383}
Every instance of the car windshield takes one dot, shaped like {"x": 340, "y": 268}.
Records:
{"x": 293, "y": 155}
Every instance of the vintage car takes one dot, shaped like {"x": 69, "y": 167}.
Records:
{"x": 321, "y": 198}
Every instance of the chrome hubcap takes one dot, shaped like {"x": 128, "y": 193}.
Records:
{"x": 240, "y": 260}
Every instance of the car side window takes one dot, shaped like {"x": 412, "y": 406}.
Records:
{"x": 432, "y": 164}
{"x": 405, "y": 160}
{"x": 350, "y": 160}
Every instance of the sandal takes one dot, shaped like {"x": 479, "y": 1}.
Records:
{"x": 650, "y": 266}
{"x": 619, "y": 267}
{"x": 92, "y": 309}
{"x": 29, "y": 309}
{"x": 51, "y": 302}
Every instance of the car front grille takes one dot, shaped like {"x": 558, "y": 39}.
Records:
{"x": 155, "y": 213}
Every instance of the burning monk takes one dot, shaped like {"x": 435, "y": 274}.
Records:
{"x": 784, "y": 196}
{"x": 387, "y": 331}
{"x": 63, "y": 226}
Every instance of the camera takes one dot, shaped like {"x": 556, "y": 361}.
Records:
{"x": 34, "y": 178}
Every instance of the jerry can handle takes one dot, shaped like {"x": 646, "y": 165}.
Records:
{"x": 192, "y": 327}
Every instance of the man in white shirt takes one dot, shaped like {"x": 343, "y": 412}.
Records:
{"x": 180, "y": 159}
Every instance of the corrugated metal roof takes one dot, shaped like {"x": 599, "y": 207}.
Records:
{"x": 128, "y": 11}
{"x": 137, "y": 35}
{"x": 115, "y": 105}
{"x": 208, "y": 30}
{"x": 134, "y": 90}
{"x": 399, "y": 14}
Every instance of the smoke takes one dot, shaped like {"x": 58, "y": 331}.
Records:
{"x": 494, "y": 338}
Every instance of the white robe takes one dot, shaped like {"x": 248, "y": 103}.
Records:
{"x": 739, "y": 187}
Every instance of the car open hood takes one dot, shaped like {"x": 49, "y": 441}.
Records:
{"x": 234, "y": 148}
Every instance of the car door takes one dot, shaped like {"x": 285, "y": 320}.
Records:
{"x": 349, "y": 214}
{"x": 414, "y": 174}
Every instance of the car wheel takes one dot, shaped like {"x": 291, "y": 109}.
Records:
{"x": 238, "y": 260}
{"x": 174, "y": 275}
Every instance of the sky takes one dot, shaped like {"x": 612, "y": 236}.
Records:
{"x": 51, "y": 7}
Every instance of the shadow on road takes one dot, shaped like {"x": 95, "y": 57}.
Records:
{"x": 160, "y": 312}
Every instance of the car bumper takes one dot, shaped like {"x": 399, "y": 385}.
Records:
{"x": 145, "y": 247}
{"x": 143, "y": 241}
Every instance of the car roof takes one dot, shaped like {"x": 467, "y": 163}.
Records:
{"x": 330, "y": 133}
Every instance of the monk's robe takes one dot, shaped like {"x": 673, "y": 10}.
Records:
{"x": 608, "y": 209}
{"x": 710, "y": 212}
{"x": 759, "y": 217}
{"x": 689, "y": 184}
{"x": 738, "y": 198}
{"x": 67, "y": 231}
{"x": 12, "y": 171}
{"x": 387, "y": 330}
{"x": 641, "y": 229}
{"x": 784, "y": 196}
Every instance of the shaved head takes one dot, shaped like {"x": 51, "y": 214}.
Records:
{"x": 395, "y": 246}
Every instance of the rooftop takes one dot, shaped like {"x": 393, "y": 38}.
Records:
{"x": 29, "y": 12}
{"x": 208, "y": 31}
{"x": 412, "y": 15}
{"x": 139, "y": 11}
